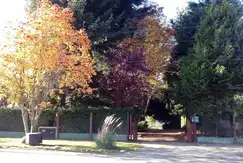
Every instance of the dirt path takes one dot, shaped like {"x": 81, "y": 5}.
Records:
{"x": 162, "y": 136}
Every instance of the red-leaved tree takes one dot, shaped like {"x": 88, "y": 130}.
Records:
{"x": 127, "y": 81}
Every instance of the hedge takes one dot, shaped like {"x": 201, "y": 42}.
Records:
{"x": 70, "y": 121}
{"x": 10, "y": 120}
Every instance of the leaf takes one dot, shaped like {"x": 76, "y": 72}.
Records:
{"x": 46, "y": 53}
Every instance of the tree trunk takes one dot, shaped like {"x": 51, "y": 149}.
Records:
{"x": 34, "y": 122}
{"x": 149, "y": 98}
{"x": 23, "y": 140}
{"x": 147, "y": 104}
{"x": 33, "y": 127}
{"x": 25, "y": 118}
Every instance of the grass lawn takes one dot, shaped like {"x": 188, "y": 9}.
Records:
{"x": 65, "y": 145}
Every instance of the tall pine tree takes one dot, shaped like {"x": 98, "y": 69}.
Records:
{"x": 211, "y": 74}
{"x": 185, "y": 25}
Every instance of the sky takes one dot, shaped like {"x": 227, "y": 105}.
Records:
{"x": 11, "y": 13}
{"x": 171, "y": 7}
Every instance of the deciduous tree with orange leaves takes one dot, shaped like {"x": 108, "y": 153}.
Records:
{"x": 155, "y": 38}
{"x": 47, "y": 56}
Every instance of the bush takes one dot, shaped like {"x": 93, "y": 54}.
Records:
{"x": 151, "y": 121}
{"x": 142, "y": 126}
{"x": 106, "y": 142}
{"x": 105, "y": 138}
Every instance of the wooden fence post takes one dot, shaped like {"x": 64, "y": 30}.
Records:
{"x": 234, "y": 126}
{"x": 194, "y": 132}
{"x": 128, "y": 126}
{"x": 131, "y": 128}
{"x": 90, "y": 126}
{"x": 135, "y": 130}
{"x": 57, "y": 124}
{"x": 189, "y": 130}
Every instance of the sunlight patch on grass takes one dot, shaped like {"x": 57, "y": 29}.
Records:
{"x": 66, "y": 145}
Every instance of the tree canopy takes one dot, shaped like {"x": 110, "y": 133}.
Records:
{"x": 155, "y": 38}
{"x": 106, "y": 21}
{"x": 127, "y": 82}
{"x": 48, "y": 55}
{"x": 211, "y": 74}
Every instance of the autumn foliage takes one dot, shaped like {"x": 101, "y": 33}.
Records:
{"x": 127, "y": 80}
{"x": 48, "y": 55}
{"x": 155, "y": 39}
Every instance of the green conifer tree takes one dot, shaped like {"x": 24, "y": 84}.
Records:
{"x": 211, "y": 74}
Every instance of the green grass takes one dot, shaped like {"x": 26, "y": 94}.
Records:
{"x": 65, "y": 145}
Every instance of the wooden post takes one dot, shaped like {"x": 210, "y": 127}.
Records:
{"x": 189, "y": 130}
{"x": 57, "y": 124}
{"x": 90, "y": 126}
{"x": 135, "y": 130}
{"x": 194, "y": 131}
{"x": 234, "y": 126}
{"x": 131, "y": 128}
{"x": 128, "y": 126}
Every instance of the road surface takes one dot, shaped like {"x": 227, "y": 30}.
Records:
{"x": 151, "y": 153}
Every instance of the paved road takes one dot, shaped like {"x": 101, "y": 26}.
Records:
{"x": 170, "y": 153}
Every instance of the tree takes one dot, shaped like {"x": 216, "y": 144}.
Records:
{"x": 126, "y": 83}
{"x": 156, "y": 39}
{"x": 185, "y": 25}
{"x": 48, "y": 57}
{"x": 211, "y": 74}
{"x": 106, "y": 21}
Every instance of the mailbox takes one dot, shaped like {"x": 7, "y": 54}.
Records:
{"x": 195, "y": 119}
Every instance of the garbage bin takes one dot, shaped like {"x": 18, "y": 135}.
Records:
{"x": 49, "y": 133}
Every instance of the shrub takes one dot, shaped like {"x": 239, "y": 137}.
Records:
{"x": 105, "y": 138}
{"x": 151, "y": 121}
{"x": 142, "y": 126}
